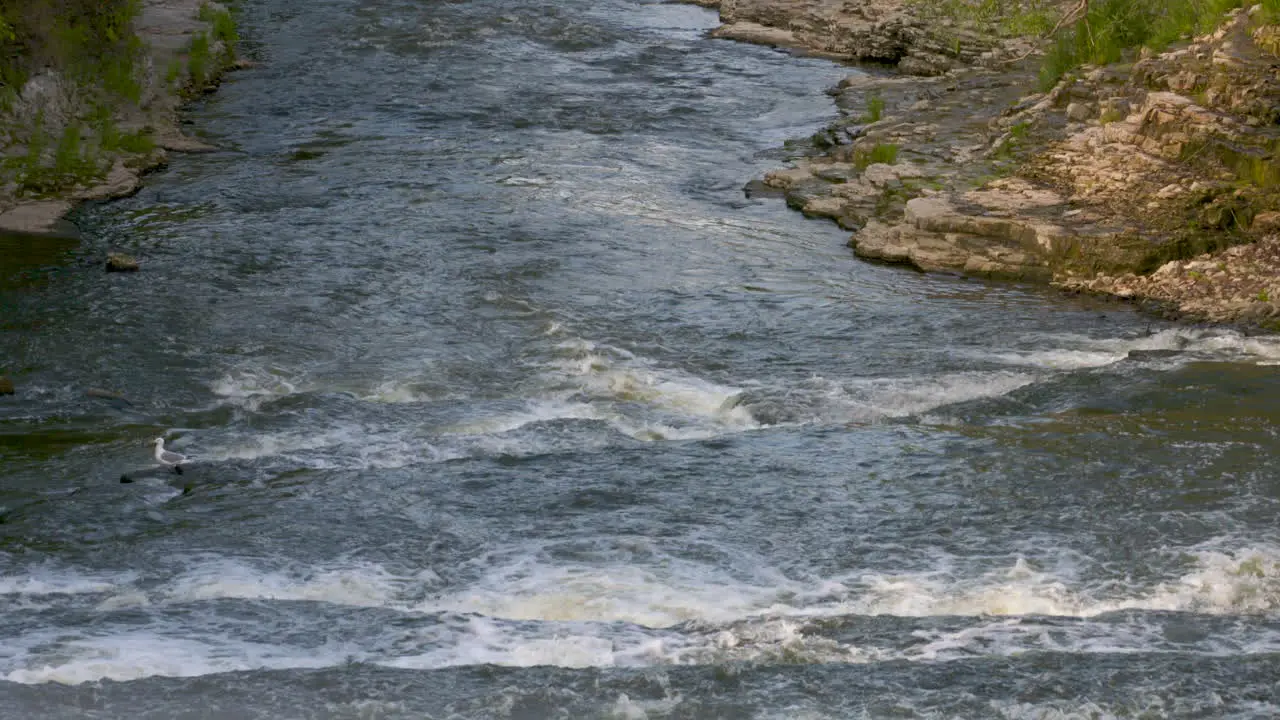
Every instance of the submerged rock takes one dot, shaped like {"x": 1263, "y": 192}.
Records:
{"x": 6, "y": 386}
{"x": 112, "y": 398}
{"x": 119, "y": 262}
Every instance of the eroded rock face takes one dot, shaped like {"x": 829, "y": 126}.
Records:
{"x": 1239, "y": 285}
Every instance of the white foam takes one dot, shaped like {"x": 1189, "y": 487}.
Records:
{"x": 45, "y": 580}
{"x": 1060, "y": 359}
{"x": 628, "y": 379}
{"x": 1224, "y": 582}
{"x": 868, "y": 400}
{"x": 358, "y": 585}
{"x": 528, "y": 612}
{"x": 249, "y": 388}
{"x": 533, "y": 412}
{"x": 486, "y": 643}
{"x": 136, "y": 655}
{"x": 1069, "y": 351}
{"x": 645, "y": 597}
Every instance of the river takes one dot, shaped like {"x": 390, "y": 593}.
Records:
{"x": 503, "y": 400}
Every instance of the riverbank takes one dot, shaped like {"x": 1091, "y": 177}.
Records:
{"x": 1118, "y": 179}
{"x": 84, "y": 117}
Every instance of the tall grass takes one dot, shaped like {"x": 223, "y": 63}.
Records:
{"x": 1114, "y": 26}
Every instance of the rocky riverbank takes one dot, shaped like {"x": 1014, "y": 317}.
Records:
{"x": 71, "y": 133}
{"x": 1154, "y": 178}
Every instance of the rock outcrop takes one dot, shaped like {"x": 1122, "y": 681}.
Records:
{"x": 1119, "y": 180}
{"x": 888, "y": 31}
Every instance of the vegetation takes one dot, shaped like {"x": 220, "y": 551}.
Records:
{"x": 224, "y": 26}
{"x": 208, "y": 52}
{"x": 1111, "y": 27}
{"x": 97, "y": 58}
{"x": 881, "y": 153}
{"x": 1012, "y": 17}
{"x": 90, "y": 40}
{"x": 875, "y": 110}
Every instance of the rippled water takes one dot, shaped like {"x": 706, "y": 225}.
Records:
{"x": 503, "y": 401}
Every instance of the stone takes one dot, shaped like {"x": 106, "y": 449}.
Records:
{"x": 831, "y": 207}
{"x": 881, "y": 175}
{"x": 6, "y": 385}
{"x": 756, "y": 34}
{"x": 837, "y": 172}
{"x": 1266, "y": 223}
{"x": 120, "y": 182}
{"x": 177, "y": 142}
{"x": 787, "y": 177}
{"x": 1079, "y": 112}
{"x": 119, "y": 262}
{"x": 41, "y": 217}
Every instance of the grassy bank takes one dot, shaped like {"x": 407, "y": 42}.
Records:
{"x": 1110, "y": 28}
{"x": 80, "y": 89}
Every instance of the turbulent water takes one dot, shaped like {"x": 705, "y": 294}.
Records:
{"x": 502, "y": 400}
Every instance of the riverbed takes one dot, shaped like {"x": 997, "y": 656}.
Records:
{"x": 502, "y": 399}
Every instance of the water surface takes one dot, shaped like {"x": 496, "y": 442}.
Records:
{"x": 504, "y": 401}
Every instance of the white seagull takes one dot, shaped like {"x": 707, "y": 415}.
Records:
{"x": 168, "y": 458}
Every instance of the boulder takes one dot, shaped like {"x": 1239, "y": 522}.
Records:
{"x": 6, "y": 385}
{"x": 1079, "y": 112}
{"x": 119, "y": 262}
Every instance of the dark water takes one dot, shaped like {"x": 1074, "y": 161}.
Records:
{"x": 503, "y": 401}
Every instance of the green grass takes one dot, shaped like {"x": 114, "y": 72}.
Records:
{"x": 110, "y": 139}
{"x": 71, "y": 164}
{"x": 1011, "y": 17}
{"x": 882, "y": 153}
{"x": 1113, "y": 27}
{"x": 92, "y": 42}
{"x": 199, "y": 61}
{"x": 875, "y": 110}
{"x": 224, "y": 25}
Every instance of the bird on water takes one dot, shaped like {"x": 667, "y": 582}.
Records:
{"x": 168, "y": 458}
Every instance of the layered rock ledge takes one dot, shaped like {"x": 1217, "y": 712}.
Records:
{"x": 1155, "y": 179}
